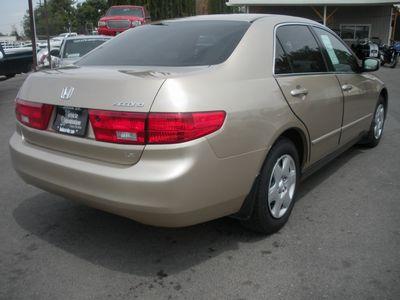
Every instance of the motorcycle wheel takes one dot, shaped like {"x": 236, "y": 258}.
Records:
{"x": 393, "y": 63}
{"x": 382, "y": 59}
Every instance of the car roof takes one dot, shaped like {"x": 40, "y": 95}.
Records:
{"x": 79, "y": 37}
{"x": 245, "y": 18}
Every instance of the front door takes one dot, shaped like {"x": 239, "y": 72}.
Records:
{"x": 358, "y": 90}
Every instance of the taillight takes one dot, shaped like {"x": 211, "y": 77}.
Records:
{"x": 169, "y": 128}
{"x": 32, "y": 114}
{"x": 118, "y": 127}
{"x": 153, "y": 128}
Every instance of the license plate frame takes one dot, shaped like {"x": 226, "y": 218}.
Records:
{"x": 71, "y": 120}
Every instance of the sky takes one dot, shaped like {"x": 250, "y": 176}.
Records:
{"x": 12, "y": 12}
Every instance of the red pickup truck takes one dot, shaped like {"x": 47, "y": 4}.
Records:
{"x": 122, "y": 17}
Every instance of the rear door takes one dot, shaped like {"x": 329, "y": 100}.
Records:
{"x": 313, "y": 94}
{"x": 359, "y": 90}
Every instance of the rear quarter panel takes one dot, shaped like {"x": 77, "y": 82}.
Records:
{"x": 244, "y": 87}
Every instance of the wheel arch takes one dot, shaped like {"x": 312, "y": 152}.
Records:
{"x": 384, "y": 93}
{"x": 299, "y": 138}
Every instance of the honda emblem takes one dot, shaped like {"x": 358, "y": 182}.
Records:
{"x": 67, "y": 92}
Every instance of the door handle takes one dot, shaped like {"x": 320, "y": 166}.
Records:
{"x": 299, "y": 92}
{"x": 347, "y": 87}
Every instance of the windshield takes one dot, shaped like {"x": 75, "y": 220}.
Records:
{"x": 79, "y": 47}
{"x": 125, "y": 11}
{"x": 174, "y": 44}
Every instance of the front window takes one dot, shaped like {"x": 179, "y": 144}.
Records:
{"x": 341, "y": 59}
{"x": 125, "y": 11}
{"x": 171, "y": 44}
{"x": 79, "y": 47}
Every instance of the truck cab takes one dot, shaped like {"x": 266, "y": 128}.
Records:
{"x": 15, "y": 61}
{"x": 122, "y": 17}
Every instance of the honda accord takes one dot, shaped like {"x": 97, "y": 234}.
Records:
{"x": 184, "y": 121}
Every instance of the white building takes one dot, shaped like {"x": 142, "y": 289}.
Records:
{"x": 351, "y": 19}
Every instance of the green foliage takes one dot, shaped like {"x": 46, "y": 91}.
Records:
{"x": 61, "y": 15}
{"x": 83, "y": 17}
{"x": 218, "y": 7}
{"x": 88, "y": 14}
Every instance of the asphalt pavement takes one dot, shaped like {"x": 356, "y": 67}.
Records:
{"x": 342, "y": 240}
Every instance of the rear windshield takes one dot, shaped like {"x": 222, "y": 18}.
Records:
{"x": 125, "y": 11}
{"x": 79, "y": 47}
{"x": 174, "y": 44}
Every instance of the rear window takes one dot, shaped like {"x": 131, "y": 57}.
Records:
{"x": 175, "y": 44}
{"x": 300, "y": 49}
{"x": 79, "y": 47}
{"x": 125, "y": 11}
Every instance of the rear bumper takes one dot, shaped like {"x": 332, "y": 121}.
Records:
{"x": 176, "y": 186}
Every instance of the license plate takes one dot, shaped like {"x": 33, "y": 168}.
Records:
{"x": 71, "y": 120}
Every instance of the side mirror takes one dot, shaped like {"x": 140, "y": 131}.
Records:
{"x": 55, "y": 52}
{"x": 370, "y": 65}
{"x": 1, "y": 55}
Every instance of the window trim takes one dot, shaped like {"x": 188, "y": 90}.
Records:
{"x": 355, "y": 25}
{"x": 310, "y": 25}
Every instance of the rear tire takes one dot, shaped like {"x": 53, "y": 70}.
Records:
{"x": 394, "y": 61}
{"x": 28, "y": 68}
{"x": 276, "y": 189}
{"x": 377, "y": 125}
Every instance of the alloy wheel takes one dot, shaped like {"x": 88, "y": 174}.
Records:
{"x": 379, "y": 121}
{"x": 282, "y": 185}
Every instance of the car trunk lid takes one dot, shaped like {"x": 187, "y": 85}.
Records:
{"x": 92, "y": 88}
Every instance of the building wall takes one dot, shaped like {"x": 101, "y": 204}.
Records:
{"x": 379, "y": 17}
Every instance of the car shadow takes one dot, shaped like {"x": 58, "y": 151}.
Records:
{"x": 123, "y": 245}
{"x": 327, "y": 171}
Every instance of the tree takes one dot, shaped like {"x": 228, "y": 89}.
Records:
{"x": 88, "y": 14}
{"x": 61, "y": 14}
{"x": 14, "y": 32}
{"x": 64, "y": 15}
{"x": 218, "y": 7}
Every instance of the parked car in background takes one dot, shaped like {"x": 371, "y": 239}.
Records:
{"x": 73, "y": 48}
{"x": 15, "y": 61}
{"x": 211, "y": 116}
{"x": 42, "y": 58}
{"x": 57, "y": 40}
{"x": 122, "y": 17}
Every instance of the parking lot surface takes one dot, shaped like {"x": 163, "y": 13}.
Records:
{"x": 342, "y": 240}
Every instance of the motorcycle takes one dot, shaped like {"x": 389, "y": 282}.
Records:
{"x": 365, "y": 48}
{"x": 389, "y": 54}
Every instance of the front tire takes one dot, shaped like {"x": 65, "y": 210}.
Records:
{"x": 378, "y": 123}
{"x": 276, "y": 190}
